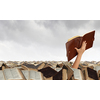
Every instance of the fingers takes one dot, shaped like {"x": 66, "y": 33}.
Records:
{"x": 84, "y": 44}
{"x": 76, "y": 49}
{"x": 82, "y": 49}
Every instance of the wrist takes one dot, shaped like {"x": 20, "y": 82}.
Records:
{"x": 80, "y": 54}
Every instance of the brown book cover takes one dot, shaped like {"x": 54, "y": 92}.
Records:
{"x": 89, "y": 74}
{"x": 54, "y": 74}
{"x": 77, "y": 42}
{"x": 58, "y": 76}
{"x": 92, "y": 73}
{"x": 48, "y": 72}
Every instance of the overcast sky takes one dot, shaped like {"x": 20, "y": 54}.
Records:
{"x": 28, "y": 40}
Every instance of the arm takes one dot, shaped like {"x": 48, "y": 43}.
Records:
{"x": 80, "y": 52}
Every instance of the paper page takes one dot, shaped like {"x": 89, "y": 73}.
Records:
{"x": 35, "y": 75}
{"x": 1, "y": 75}
{"x": 58, "y": 69}
{"x": 7, "y": 74}
{"x": 97, "y": 68}
{"x": 32, "y": 74}
{"x": 15, "y": 73}
{"x": 26, "y": 74}
{"x": 53, "y": 68}
{"x": 77, "y": 74}
{"x": 38, "y": 76}
{"x": 73, "y": 38}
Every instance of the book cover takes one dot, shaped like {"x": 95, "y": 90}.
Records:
{"x": 77, "y": 42}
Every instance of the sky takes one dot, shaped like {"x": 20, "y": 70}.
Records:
{"x": 44, "y": 40}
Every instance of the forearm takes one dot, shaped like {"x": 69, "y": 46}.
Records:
{"x": 80, "y": 52}
{"x": 77, "y": 61}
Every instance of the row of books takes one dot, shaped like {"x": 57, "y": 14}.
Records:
{"x": 45, "y": 71}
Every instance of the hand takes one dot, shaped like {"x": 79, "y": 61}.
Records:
{"x": 82, "y": 49}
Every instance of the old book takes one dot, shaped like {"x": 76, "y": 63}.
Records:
{"x": 48, "y": 72}
{"x": 40, "y": 66}
{"x": 32, "y": 75}
{"x": 27, "y": 66}
{"x": 65, "y": 74}
{"x": 77, "y": 42}
{"x": 24, "y": 67}
{"x": 2, "y": 75}
{"x": 50, "y": 78}
{"x": 0, "y": 67}
{"x": 97, "y": 68}
{"x": 13, "y": 74}
{"x": 4, "y": 66}
{"x": 26, "y": 74}
{"x": 90, "y": 74}
{"x": 47, "y": 65}
{"x": 98, "y": 73}
{"x": 35, "y": 75}
{"x": 58, "y": 75}
{"x": 61, "y": 74}
{"x": 53, "y": 73}
{"x": 77, "y": 75}
{"x": 69, "y": 71}
{"x": 60, "y": 65}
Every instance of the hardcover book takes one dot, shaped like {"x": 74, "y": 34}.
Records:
{"x": 77, "y": 42}
{"x": 11, "y": 74}
{"x": 32, "y": 75}
{"x": 90, "y": 74}
{"x": 77, "y": 75}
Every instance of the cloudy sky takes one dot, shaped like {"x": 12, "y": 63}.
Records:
{"x": 28, "y": 40}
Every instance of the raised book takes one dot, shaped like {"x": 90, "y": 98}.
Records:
{"x": 77, "y": 42}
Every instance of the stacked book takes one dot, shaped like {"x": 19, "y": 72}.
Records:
{"x": 49, "y": 71}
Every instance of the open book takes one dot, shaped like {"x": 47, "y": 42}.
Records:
{"x": 57, "y": 73}
{"x": 11, "y": 74}
{"x": 32, "y": 75}
{"x": 90, "y": 74}
{"x": 27, "y": 66}
{"x": 97, "y": 68}
{"x": 77, "y": 75}
{"x": 77, "y": 42}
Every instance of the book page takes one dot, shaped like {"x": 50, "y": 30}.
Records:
{"x": 53, "y": 68}
{"x": 35, "y": 75}
{"x": 1, "y": 75}
{"x": 25, "y": 73}
{"x": 38, "y": 76}
{"x": 7, "y": 74}
{"x": 97, "y": 68}
{"x": 15, "y": 73}
{"x": 77, "y": 74}
{"x": 32, "y": 74}
{"x": 73, "y": 38}
{"x": 58, "y": 69}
